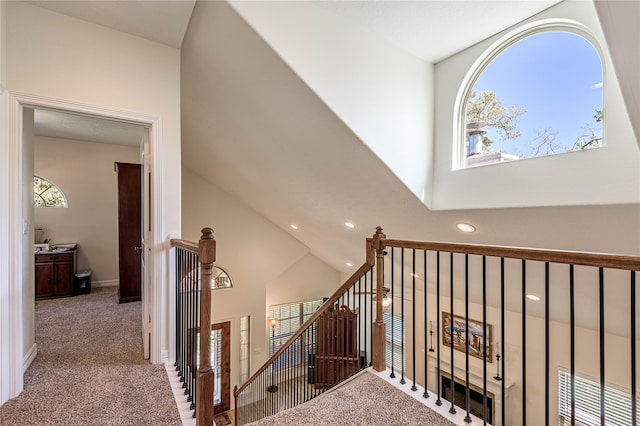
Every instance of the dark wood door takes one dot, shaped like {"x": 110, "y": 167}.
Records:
{"x": 220, "y": 362}
{"x": 129, "y": 231}
{"x": 220, "y": 358}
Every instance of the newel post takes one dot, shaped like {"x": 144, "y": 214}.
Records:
{"x": 204, "y": 378}
{"x": 378, "y": 329}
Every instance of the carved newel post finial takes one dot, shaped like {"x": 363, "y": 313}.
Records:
{"x": 207, "y": 233}
{"x": 207, "y": 252}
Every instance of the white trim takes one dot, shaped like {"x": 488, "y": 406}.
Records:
{"x": 158, "y": 257}
{"x": 172, "y": 297}
{"x": 29, "y": 357}
{"x": 5, "y": 282}
{"x": 184, "y": 406}
{"x": 11, "y": 187}
{"x": 16, "y": 322}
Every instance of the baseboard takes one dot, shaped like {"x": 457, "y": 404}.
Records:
{"x": 164, "y": 357}
{"x": 106, "y": 283}
{"x": 29, "y": 357}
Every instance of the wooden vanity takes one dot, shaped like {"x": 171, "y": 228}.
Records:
{"x": 54, "y": 273}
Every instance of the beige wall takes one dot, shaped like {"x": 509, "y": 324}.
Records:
{"x": 84, "y": 172}
{"x": 53, "y": 55}
{"x": 258, "y": 255}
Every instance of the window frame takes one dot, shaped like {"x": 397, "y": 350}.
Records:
{"x": 280, "y": 339}
{"x": 51, "y": 186}
{"x": 394, "y": 343}
{"x": 582, "y": 385}
{"x": 490, "y": 54}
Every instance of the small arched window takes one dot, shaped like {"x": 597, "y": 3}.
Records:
{"x": 537, "y": 93}
{"x": 47, "y": 194}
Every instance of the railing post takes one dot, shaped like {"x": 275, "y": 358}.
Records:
{"x": 205, "y": 379}
{"x": 378, "y": 328}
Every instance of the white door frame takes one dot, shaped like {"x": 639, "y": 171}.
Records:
{"x": 11, "y": 182}
{"x": 6, "y": 293}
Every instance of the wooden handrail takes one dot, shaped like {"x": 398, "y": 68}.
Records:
{"x": 375, "y": 251}
{"x": 185, "y": 245}
{"x": 366, "y": 267}
{"x": 604, "y": 260}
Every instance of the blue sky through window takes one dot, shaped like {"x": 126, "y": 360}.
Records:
{"x": 557, "y": 77}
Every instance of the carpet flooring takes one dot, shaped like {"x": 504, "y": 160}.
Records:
{"x": 90, "y": 368}
{"x": 368, "y": 400}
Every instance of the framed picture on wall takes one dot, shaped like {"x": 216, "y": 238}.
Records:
{"x": 476, "y": 336}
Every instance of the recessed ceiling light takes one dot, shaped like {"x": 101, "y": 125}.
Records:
{"x": 533, "y": 297}
{"x": 349, "y": 225}
{"x": 466, "y": 227}
{"x": 294, "y": 226}
{"x": 349, "y": 264}
{"x": 414, "y": 275}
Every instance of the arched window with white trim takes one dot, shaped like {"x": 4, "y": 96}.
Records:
{"x": 47, "y": 194}
{"x": 538, "y": 93}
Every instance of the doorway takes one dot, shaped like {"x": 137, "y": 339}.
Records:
{"x": 81, "y": 150}
{"x": 20, "y": 235}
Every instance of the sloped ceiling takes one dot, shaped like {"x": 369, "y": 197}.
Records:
{"x": 253, "y": 128}
{"x": 163, "y": 21}
{"x": 419, "y": 26}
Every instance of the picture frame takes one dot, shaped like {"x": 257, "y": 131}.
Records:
{"x": 476, "y": 341}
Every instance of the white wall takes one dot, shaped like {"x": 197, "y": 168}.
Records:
{"x": 383, "y": 94}
{"x": 620, "y": 25}
{"x": 308, "y": 279}
{"x": 3, "y": 43}
{"x": 79, "y": 63}
{"x": 84, "y": 173}
{"x": 257, "y": 255}
{"x": 609, "y": 175}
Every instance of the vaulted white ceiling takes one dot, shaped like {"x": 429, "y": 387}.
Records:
{"x": 252, "y": 127}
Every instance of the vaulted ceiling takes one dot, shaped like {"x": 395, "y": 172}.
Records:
{"x": 252, "y": 127}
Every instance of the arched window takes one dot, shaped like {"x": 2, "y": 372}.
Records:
{"x": 537, "y": 93}
{"x": 47, "y": 194}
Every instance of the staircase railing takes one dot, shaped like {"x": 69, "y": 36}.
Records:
{"x": 331, "y": 346}
{"x": 497, "y": 335}
{"x": 193, "y": 269}
{"x": 523, "y": 327}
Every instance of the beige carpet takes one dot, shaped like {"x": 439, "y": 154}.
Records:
{"x": 368, "y": 400}
{"x": 90, "y": 368}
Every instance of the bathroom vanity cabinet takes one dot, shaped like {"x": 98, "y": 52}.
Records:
{"x": 54, "y": 272}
